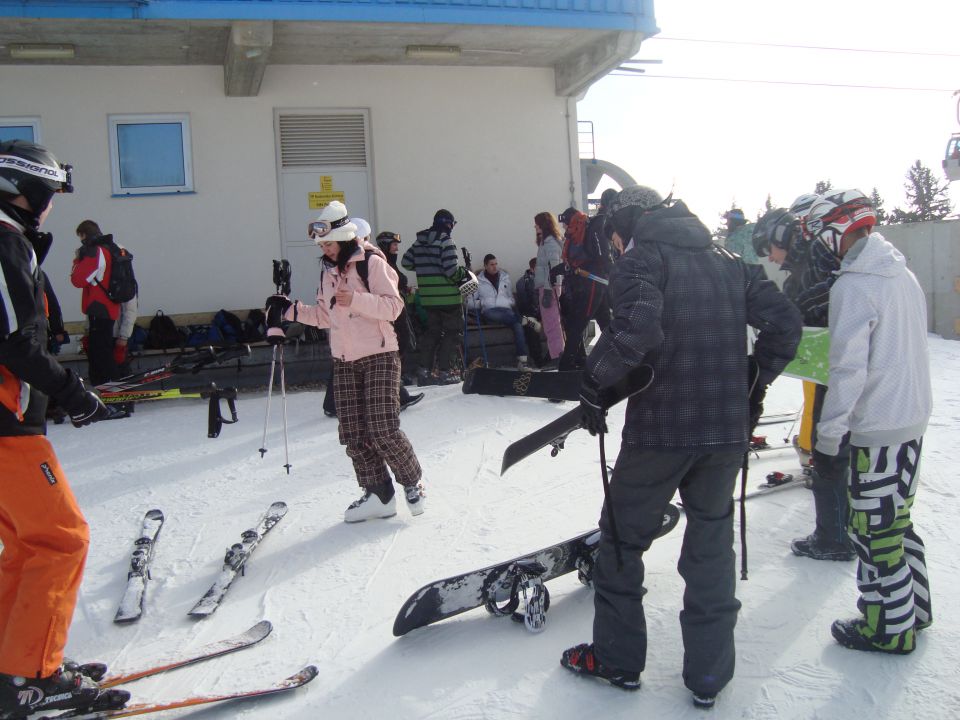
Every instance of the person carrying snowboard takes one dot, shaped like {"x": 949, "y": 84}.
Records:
{"x": 682, "y": 305}
{"x": 366, "y": 377}
{"x": 45, "y": 536}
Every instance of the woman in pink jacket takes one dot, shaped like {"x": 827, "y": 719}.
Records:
{"x": 358, "y": 308}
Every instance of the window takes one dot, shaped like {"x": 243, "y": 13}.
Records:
{"x": 20, "y": 128}
{"x": 150, "y": 154}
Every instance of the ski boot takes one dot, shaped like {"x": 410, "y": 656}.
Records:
{"x": 581, "y": 659}
{"x": 63, "y": 690}
{"x": 758, "y": 442}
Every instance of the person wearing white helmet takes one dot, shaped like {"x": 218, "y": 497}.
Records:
{"x": 358, "y": 306}
{"x": 879, "y": 396}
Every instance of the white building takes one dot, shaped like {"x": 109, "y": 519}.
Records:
{"x": 206, "y": 134}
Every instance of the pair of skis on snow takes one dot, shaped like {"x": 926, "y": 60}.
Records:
{"x": 214, "y": 650}
{"x": 131, "y": 606}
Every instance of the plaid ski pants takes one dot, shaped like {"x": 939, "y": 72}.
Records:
{"x": 366, "y": 392}
{"x": 892, "y": 570}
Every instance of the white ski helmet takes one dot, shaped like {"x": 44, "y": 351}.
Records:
{"x": 31, "y": 170}
{"x": 838, "y": 213}
{"x": 801, "y": 208}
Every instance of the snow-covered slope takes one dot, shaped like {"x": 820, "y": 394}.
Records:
{"x": 332, "y": 590}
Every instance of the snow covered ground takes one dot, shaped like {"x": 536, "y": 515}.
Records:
{"x": 332, "y": 590}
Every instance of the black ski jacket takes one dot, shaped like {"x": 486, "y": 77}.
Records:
{"x": 682, "y": 304}
{"x": 28, "y": 372}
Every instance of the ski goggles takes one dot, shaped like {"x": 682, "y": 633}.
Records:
{"x": 322, "y": 228}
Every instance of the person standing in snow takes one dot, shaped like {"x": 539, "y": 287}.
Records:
{"x": 682, "y": 305}
{"x": 359, "y": 309}
{"x": 779, "y": 234}
{"x": 45, "y": 536}
{"x": 433, "y": 257}
{"x": 879, "y": 395}
{"x": 549, "y": 249}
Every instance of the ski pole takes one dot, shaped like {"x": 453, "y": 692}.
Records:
{"x": 273, "y": 364}
{"x": 283, "y": 402}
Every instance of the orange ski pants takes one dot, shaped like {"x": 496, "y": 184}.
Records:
{"x": 45, "y": 539}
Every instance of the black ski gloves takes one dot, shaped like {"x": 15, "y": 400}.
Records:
{"x": 592, "y": 413}
{"x": 82, "y": 405}
{"x": 547, "y": 297}
{"x": 276, "y": 306}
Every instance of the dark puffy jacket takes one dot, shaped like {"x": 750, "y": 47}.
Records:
{"x": 28, "y": 372}
{"x": 816, "y": 277}
{"x": 682, "y": 304}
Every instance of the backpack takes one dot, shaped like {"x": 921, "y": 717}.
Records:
{"x": 230, "y": 327}
{"x": 123, "y": 283}
{"x": 255, "y": 326}
{"x": 163, "y": 333}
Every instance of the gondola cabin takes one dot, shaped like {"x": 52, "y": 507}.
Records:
{"x": 951, "y": 161}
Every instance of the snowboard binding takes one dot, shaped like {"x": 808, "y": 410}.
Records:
{"x": 522, "y": 578}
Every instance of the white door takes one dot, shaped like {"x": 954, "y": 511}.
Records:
{"x": 322, "y": 155}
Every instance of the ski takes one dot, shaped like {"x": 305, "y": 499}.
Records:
{"x": 125, "y": 396}
{"x": 778, "y": 418}
{"x": 560, "y": 385}
{"x": 236, "y": 559}
{"x": 192, "y": 361}
{"x": 556, "y": 432}
{"x": 768, "y": 487}
{"x": 131, "y": 606}
{"x": 291, "y": 683}
{"x": 210, "y": 651}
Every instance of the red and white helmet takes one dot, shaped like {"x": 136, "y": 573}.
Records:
{"x": 837, "y": 213}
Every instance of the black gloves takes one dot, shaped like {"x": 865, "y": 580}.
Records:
{"x": 592, "y": 413}
{"x": 276, "y": 306}
{"x": 547, "y": 297}
{"x": 829, "y": 466}
{"x": 82, "y": 405}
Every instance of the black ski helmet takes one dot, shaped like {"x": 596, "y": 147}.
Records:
{"x": 444, "y": 219}
{"x": 777, "y": 228}
{"x": 385, "y": 239}
{"x": 31, "y": 170}
{"x": 629, "y": 204}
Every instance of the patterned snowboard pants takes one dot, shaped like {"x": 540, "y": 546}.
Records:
{"x": 892, "y": 570}
{"x": 366, "y": 392}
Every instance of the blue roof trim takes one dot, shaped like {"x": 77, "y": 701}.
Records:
{"x": 630, "y": 15}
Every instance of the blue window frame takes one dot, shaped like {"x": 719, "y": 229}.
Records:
{"x": 150, "y": 154}
{"x": 20, "y": 128}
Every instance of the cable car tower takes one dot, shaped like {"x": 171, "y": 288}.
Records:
{"x": 951, "y": 160}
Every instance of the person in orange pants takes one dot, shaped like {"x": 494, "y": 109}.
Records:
{"x": 45, "y": 541}
{"x": 44, "y": 534}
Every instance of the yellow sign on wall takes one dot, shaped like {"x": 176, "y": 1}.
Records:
{"x": 319, "y": 200}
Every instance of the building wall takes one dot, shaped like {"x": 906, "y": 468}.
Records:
{"x": 490, "y": 144}
{"x": 932, "y": 250}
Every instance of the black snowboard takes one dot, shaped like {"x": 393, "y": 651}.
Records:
{"x": 555, "y": 433}
{"x": 495, "y": 586}
{"x": 523, "y": 383}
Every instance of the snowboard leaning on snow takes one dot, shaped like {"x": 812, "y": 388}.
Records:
{"x": 499, "y": 587}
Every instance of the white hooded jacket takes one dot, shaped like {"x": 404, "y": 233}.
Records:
{"x": 879, "y": 387}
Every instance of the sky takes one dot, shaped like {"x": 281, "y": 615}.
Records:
{"x": 718, "y": 143}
